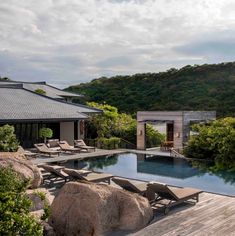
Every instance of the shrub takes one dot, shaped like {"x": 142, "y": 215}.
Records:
{"x": 216, "y": 141}
{"x": 47, "y": 209}
{"x": 153, "y": 138}
{"x": 8, "y": 140}
{"x": 14, "y": 206}
{"x": 40, "y": 91}
{"x": 109, "y": 143}
{"x": 10, "y": 181}
{"x": 45, "y": 133}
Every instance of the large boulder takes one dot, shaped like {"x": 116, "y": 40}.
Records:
{"x": 19, "y": 154}
{"x": 96, "y": 209}
{"x": 25, "y": 168}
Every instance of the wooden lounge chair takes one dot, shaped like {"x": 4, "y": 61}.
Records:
{"x": 156, "y": 192}
{"x": 80, "y": 171}
{"x": 91, "y": 177}
{"x": 53, "y": 144}
{"x": 42, "y": 148}
{"x": 67, "y": 148}
{"x": 81, "y": 144}
{"x": 130, "y": 186}
{"x": 55, "y": 173}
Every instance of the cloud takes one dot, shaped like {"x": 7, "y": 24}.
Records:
{"x": 212, "y": 48}
{"x": 216, "y": 46}
{"x": 115, "y": 61}
{"x": 67, "y": 42}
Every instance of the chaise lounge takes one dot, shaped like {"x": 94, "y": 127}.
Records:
{"x": 81, "y": 144}
{"x": 67, "y": 148}
{"x": 156, "y": 192}
{"x": 42, "y": 148}
{"x": 55, "y": 173}
{"x": 90, "y": 177}
{"x": 130, "y": 186}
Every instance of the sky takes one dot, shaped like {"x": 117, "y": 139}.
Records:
{"x": 67, "y": 42}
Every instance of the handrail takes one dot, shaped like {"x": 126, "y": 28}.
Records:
{"x": 175, "y": 153}
{"x": 128, "y": 143}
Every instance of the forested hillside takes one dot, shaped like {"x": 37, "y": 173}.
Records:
{"x": 205, "y": 87}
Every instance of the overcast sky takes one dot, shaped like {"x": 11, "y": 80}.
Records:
{"x": 67, "y": 42}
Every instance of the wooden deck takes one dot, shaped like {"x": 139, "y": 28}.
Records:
{"x": 212, "y": 215}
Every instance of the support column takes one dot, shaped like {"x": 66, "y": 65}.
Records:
{"x": 141, "y": 139}
{"x": 81, "y": 129}
{"x": 178, "y": 134}
{"x": 67, "y": 132}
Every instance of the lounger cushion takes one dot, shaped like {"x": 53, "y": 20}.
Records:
{"x": 184, "y": 192}
{"x": 97, "y": 176}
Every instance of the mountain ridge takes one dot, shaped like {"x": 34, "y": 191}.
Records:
{"x": 198, "y": 87}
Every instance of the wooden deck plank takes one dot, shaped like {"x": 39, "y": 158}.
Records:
{"x": 213, "y": 215}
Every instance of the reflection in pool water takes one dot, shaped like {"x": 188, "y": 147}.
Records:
{"x": 174, "y": 171}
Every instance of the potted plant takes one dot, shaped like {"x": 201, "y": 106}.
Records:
{"x": 45, "y": 133}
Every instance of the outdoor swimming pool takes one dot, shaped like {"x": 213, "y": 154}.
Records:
{"x": 173, "y": 171}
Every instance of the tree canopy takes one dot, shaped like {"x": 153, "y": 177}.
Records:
{"x": 215, "y": 140}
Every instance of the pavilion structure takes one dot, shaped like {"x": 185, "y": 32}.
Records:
{"x": 177, "y": 125}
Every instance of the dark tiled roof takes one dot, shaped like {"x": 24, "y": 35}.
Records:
{"x": 50, "y": 90}
{"x": 17, "y": 103}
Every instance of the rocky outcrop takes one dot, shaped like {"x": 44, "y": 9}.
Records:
{"x": 39, "y": 198}
{"x": 95, "y": 209}
{"x": 47, "y": 229}
{"x": 25, "y": 168}
{"x": 19, "y": 154}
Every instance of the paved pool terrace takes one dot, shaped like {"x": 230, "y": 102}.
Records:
{"x": 97, "y": 153}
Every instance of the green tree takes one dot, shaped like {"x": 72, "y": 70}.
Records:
{"x": 14, "y": 206}
{"x": 121, "y": 125}
{"x": 45, "y": 133}
{"x": 215, "y": 140}
{"x": 106, "y": 123}
{"x": 8, "y": 140}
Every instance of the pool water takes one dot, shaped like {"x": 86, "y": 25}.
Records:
{"x": 173, "y": 171}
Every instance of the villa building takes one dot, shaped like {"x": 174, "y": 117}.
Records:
{"x": 29, "y": 111}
